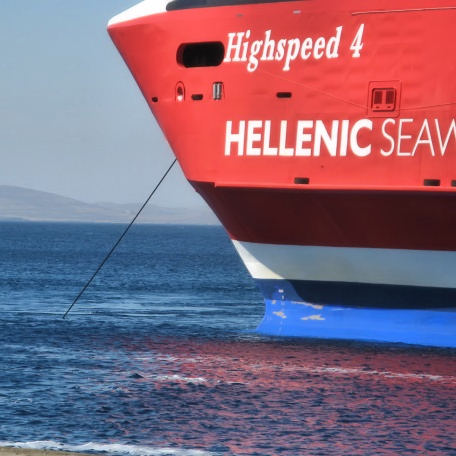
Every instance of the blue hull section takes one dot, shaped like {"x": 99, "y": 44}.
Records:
{"x": 411, "y": 324}
{"x": 422, "y": 327}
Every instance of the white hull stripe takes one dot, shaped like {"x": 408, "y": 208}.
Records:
{"x": 425, "y": 268}
{"x": 143, "y": 9}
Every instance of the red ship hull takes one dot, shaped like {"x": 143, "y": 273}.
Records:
{"x": 324, "y": 138}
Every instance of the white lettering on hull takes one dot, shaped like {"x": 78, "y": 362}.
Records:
{"x": 239, "y": 48}
{"x": 404, "y": 137}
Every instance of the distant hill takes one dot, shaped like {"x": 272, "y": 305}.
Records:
{"x": 17, "y": 203}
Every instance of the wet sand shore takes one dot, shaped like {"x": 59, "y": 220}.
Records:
{"x": 12, "y": 451}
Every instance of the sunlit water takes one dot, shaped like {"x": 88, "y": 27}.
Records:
{"x": 159, "y": 357}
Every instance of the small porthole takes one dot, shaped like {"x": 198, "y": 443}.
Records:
{"x": 301, "y": 180}
{"x": 283, "y": 94}
{"x": 197, "y": 96}
{"x": 205, "y": 54}
{"x": 431, "y": 182}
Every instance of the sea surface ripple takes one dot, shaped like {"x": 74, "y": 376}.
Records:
{"x": 160, "y": 357}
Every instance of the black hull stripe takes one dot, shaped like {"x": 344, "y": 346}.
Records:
{"x": 189, "y": 4}
{"x": 359, "y": 294}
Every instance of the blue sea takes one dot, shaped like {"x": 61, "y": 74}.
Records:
{"x": 160, "y": 357}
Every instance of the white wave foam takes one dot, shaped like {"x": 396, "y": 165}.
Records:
{"x": 112, "y": 448}
{"x": 360, "y": 371}
{"x": 179, "y": 378}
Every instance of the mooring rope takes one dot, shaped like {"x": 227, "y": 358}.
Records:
{"x": 84, "y": 288}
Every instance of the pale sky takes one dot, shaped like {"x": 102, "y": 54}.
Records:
{"x": 72, "y": 120}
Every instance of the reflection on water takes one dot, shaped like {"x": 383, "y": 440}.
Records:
{"x": 264, "y": 397}
{"x": 230, "y": 395}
